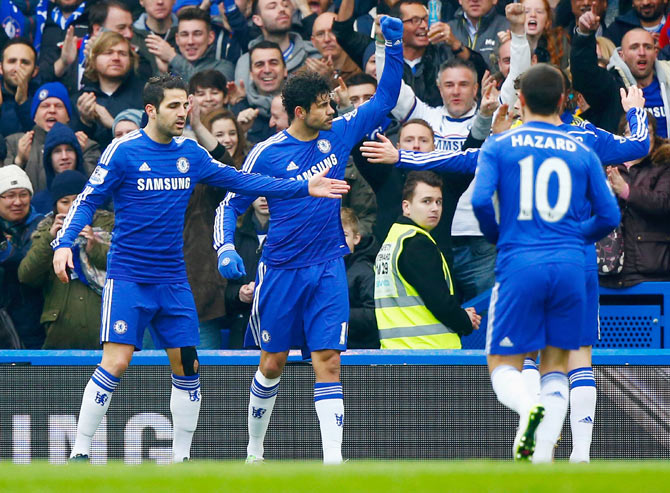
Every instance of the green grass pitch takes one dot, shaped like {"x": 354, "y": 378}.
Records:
{"x": 354, "y": 476}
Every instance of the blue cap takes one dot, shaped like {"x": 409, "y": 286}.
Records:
{"x": 51, "y": 90}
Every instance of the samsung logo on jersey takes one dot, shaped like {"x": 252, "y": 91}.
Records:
{"x": 543, "y": 142}
{"x": 451, "y": 144}
{"x": 163, "y": 183}
{"x": 329, "y": 162}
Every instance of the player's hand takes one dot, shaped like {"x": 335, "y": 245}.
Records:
{"x": 474, "y": 318}
{"x": 503, "y": 120}
{"x": 320, "y": 186}
{"x": 246, "y": 294}
{"x": 231, "y": 265}
{"x": 62, "y": 260}
{"x": 383, "y": 152}
{"x": 391, "y": 28}
{"x": 516, "y": 15}
{"x": 633, "y": 99}
{"x": 588, "y": 23}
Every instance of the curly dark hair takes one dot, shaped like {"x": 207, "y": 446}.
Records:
{"x": 302, "y": 89}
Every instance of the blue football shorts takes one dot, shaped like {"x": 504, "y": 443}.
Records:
{"x": 591, "y": 329}
{"x": 537, "y": 306}
{"x": 129, "y": 307}
{"x": 306, "y": 307}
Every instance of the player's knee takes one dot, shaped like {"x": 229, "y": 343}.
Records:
{"x": 116, "y": 366}
{"x": 271, "y": 368}
{"x": 189, "y": 361}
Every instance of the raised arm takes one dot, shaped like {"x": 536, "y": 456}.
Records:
{"x": 355, "y": 125}
{"x": 615, "y": 149}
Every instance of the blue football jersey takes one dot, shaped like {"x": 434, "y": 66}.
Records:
{"x": 151, "y": 184}
{"x": 545, "y": 180}
{"x": 308, "y": 231}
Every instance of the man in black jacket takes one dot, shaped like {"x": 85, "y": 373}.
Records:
{"x": 634, "y": 64}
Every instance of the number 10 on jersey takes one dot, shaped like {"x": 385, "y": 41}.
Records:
{"x": 534, "y": 190}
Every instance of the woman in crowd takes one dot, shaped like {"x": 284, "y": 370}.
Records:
{"x": 220, "y": 134}
{"x": 549, "y": 44}
{"x": 71, "y": 313}
{"x": 643, "y": 190}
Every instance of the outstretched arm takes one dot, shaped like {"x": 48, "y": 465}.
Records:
{"x": 439, "y": 161}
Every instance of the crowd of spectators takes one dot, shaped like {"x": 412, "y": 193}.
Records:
{"x": 72, "y": 73}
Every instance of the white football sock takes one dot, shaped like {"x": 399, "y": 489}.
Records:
{"x": 185, "y": 403}
{"x": 329, "y": 404}
{"x": 554, "y": 396}
{"x": 583, "y": 397}
{"x": 262, "y": 396}
{"x": 510, "y": 389}
{"x": 94, "y": 405}
{"x": 531, "y": 377}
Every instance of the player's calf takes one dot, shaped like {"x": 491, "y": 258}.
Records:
{"x": 185, "y": 401}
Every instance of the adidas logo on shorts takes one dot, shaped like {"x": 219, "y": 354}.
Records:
{"x": 506, "y": 342}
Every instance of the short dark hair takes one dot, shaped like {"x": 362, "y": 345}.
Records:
{"x": 97, "y": 14}
{"x": 154, "y": 89}
{"x": 302, "y": 89}
{"x": 457, "y": 63}
{"x": 416, "y": 177}
{"x": 417, "y": 121}
{"x": 266, "y": 45}
{"x": 195, "y": 14}
{"x": 19, "y": 41}
{"x": 542, "y": 86}
{"x": 360, "y": 79}
{"x": 206, "y": 79}
{"x": 395, "y": 10}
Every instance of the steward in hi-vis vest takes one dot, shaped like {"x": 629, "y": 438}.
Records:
{"x": 415, "y": 304}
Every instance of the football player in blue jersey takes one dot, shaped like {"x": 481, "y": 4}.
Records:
{"x": 545, "y": 179}
{"x": 301, "y": 296}
{"x": 151, "y": 175}
{"x": 610, "y": 149}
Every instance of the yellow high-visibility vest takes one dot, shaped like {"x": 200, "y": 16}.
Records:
{"x": 403, "y": 320}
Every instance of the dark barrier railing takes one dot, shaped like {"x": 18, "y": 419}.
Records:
{"x": 399, "y": 405}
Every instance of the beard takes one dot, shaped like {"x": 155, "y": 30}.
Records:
{"x": 655, "y": 15}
